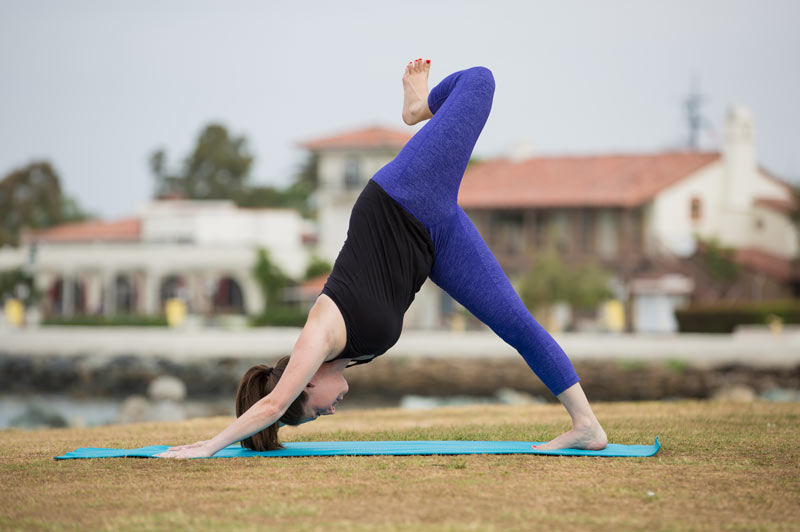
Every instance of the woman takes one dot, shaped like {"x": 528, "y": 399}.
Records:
{"x": 404, "y": 227}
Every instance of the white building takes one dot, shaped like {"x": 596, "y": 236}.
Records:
{"x": 642, "y": 216}
{"x": 202, "y": 251}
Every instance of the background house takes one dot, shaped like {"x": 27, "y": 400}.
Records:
{"x": 642, "y": 216}
{"x": 200, "y": 251}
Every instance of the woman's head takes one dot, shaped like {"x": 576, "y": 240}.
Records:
{"x": 258, "y": 382}
{"x": 326, "y": 388}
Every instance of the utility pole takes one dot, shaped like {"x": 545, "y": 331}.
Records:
{"x": 692, "y": 105}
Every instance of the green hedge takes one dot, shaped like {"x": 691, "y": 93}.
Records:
{"x": 281, "y": 317}
{"x": 121, "y": 320}
{"x": 723, "y": 318}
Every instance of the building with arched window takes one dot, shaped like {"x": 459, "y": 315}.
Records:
{"x": 202, "y": 252}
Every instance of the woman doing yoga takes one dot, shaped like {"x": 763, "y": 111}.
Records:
{"x": 405, "y": 226}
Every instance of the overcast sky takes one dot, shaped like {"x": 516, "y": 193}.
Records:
{"x": 96, "y": 86}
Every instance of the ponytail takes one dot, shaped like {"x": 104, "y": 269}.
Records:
{"x": 258, "y": 382}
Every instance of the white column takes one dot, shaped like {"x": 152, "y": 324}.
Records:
{"x": 94, "y": 288}
{"x": 109, "y": 293}
{"x": 149, "y": 291}
{"x": 67, "y": 293}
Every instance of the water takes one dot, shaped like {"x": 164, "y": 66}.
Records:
{"x": 60, "y": 410}
{"x": 63, "y": 410}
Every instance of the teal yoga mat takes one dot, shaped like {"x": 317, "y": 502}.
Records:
{"x": 363, "y": 448}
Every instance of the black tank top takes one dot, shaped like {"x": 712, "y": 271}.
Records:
{"x": 386, "y": 257}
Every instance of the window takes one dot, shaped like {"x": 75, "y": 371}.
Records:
{"x": 540, "y": 221}
{"x": 587, "y": 231}
{"x": 506, "y": 231}
{"x": 696, "y": 209}
{"x": 352, "y": 175}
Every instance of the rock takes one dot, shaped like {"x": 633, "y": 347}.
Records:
{"x": 39, "y": 415}
{"x": 507, "y": 396}
{"x": 780, "y": 395}
{"x": 134, "y": 409}
{"x": 166, "y": 410}
{"x": 168, "y": 388}
{"x": 738, "y": 393}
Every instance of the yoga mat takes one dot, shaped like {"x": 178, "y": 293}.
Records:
{"x": 362, "y": 448}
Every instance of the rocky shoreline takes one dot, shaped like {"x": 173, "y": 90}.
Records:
{"x": 393, "y": 377}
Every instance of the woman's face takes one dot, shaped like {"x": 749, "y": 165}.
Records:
{"x": 325, "y": 391}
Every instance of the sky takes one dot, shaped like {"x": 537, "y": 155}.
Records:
{"x": 95, "y": 87}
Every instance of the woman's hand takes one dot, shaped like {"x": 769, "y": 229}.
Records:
{"x": 191, "y": 450}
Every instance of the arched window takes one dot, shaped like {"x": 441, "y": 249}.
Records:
{"x": 125, "y": 292}
{"x": 696, "y": 209}
{"x": 58, "y": 297}
{"x": 228, "y": 296}
{"x": 171, "y": 286}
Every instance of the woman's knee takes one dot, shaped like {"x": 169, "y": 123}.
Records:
{"x": 481, "y": 75}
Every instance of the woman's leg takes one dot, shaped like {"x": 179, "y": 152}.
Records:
{"x": 425, "y": 176}
{"x": 467, "y": 270}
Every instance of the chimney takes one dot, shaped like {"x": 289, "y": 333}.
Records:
{"x": 521, "y": 151}
{"x": 739, "y": 156}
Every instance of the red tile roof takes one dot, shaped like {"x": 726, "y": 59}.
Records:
{"x": 602, "y": 180}
{"x": 371, "y": 137}
{"x": 782, "y": 205}
{"x": 767, "y": 263}
{"x": 127, "y": 230}
{"x": 313, "y": 287}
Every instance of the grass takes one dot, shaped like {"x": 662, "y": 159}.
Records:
{"x": 723, "y": 466}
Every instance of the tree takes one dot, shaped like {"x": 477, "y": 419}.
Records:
{"x": 18, "y": 284}
{"x": 317, "y": 266}
{"x": 550, "y": 281}
{"x": 719, "y": 261}
{"x": 32, "y": 197}
{"x": 217, "y": 168}
{"x": 270, "y": 279}
{"x": 296, "y": 196}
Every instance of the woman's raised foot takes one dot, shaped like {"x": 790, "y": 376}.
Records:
{"x": 415, "y": 85}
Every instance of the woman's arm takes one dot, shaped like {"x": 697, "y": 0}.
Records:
{"x": 312, "y": 348}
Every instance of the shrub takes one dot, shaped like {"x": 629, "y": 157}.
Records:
{"x": 281, "y": 317}
{"x": 121, "y": 320}
{"x": 724, "y": 317}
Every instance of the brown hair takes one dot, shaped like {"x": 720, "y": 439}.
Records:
{"x": 257, "y": 382}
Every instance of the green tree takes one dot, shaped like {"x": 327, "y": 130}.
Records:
{"x": 317, "y": 266}
{"x": 296, "y": 196}
{"x": 719, "y": 261}
{"x": 217, "y": 168}
{"x": 31, "y": 197}
{"x": 18, "y": 284}
{"x": 271, "y": 279}
{"x": 550, "y": 280}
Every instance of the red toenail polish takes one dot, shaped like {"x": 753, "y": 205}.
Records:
{"x": 428, "y": 61}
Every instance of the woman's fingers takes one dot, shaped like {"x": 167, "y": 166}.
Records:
{"x": 186, "y": 446}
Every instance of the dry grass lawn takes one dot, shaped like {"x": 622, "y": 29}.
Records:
{"x": 722, "y": 466}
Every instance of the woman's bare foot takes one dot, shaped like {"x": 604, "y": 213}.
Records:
{"x": 415, "y": 84}
{"x": 590, "y": 436}
{"x": 586, "y": 431}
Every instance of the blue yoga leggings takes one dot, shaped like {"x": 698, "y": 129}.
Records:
{"x": 424, "y": 178}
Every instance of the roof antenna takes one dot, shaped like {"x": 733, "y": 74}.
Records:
{"x": 692, "y": 105}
